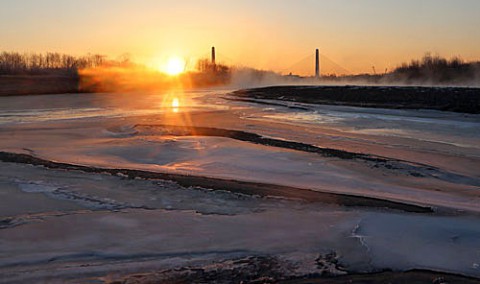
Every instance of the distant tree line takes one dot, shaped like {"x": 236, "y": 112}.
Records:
{"x": 210, "y": 74}
{"x": 206, "y": 66}
{"x": 429, "y": 70}
{"x": 436, "y": 69}
{"x": 15, "y": 63}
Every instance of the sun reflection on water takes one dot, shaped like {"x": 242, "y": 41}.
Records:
{"x": 175, "y": 104}
{"x": 175, "y": 109}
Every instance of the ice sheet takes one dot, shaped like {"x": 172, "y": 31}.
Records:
{"x": 66, "y": 225}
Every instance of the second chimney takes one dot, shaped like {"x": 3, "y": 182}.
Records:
{"x": 213, "y": 55}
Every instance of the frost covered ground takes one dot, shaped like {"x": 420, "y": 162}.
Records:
{"x": 128, "y": 185}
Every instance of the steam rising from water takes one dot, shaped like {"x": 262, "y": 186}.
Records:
{"x": 431, "y": 71}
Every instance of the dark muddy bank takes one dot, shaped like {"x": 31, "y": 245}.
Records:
{"x": 249, "y": 188}
{"x": 37, "y": 85}
{"x": 456, "y": 99}
{"x": 264, "y": 269}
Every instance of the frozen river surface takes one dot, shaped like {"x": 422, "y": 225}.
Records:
{"x": 56, "y": 222}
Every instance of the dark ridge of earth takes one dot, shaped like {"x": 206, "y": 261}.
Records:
{"x": 456, "y": 99}
{"x": 400, "y": 166}
{"x": 416, "y": 276}
{"x": 249, "y": 188}
{"x": 15, "y": 85}
{"x": 261, "y": 269}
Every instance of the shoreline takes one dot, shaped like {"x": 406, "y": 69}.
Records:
{"x": 25, "y": 85}
{"x": 455, "y": 99}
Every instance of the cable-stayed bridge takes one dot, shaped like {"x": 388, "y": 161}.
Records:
{"x": 306, "y": 66}
{"x": 303, "y": 67}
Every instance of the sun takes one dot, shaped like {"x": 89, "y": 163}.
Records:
{"x": 175, "y": 103}
{"x": 175, "y": 66}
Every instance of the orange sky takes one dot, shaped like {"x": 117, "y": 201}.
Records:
{"x": 267, "y": 34}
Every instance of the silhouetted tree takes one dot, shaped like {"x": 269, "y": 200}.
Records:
{"x": 14, "y": 63}
{"x": 435, "y": 69}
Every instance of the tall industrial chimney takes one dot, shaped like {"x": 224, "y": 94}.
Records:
{"x": 317, "y": 63}
{"x": 213, "y": 55}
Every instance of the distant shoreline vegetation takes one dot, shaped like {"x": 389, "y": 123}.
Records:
{"x": 41, "y": 73}
{"x": 436, "y": 69}
{"x": 431, "y": 70}
{"x": 50, "y": 63}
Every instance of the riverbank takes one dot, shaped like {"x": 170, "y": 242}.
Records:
{"x": 456, "y": 99}
{"x": 16, "y": 85}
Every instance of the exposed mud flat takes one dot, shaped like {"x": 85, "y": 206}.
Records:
{"x": 455, "y": 99}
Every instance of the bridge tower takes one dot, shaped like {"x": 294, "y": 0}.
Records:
{"x": 317, "y": 63}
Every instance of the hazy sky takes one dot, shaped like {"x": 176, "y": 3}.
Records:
{"x": 268, "y": 34}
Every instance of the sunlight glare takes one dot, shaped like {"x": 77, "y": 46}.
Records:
{"x": 175, "y": 104}
{"x": 175, "y": 66}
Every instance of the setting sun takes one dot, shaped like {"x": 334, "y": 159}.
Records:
{"x": 175, "y": 103}
{"x": 175, "y": 66}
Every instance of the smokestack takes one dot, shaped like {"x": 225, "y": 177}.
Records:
{"x": 317, "y": 63}
{"x": 213, "y": 55}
